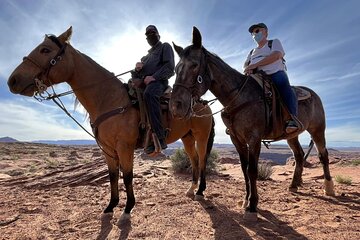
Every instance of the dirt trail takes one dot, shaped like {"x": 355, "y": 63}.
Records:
{"x": 51, "y": 192}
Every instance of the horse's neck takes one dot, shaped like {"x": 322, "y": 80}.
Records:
{"x": 227, "y": 84}
{"x": 97, "y": 89}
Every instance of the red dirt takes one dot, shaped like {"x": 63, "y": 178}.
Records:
{"x": 60, "y": 192}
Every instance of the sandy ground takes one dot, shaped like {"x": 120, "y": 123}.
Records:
{"x": 54, "y": 192}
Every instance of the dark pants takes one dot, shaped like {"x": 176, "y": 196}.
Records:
{"x": 287, "y": 95}
{"x": 152, "y": 94}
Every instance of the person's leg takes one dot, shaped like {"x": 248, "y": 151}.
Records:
{"x": 152, "y": 96}
{"x": 288, "y": 96}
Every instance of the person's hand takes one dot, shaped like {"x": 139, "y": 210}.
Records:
{"x": 250, "y": 69}
{"x": 139, "y": 66}
{"x": 149, "y": 79}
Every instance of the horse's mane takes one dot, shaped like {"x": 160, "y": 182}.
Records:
{"x": 221, "y": 64}
{"x": 93, "y": 62}
{"x": 89, "y": 59}
{"x": 216, "y": 60}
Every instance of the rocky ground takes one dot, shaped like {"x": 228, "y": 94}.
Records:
{"x": 57, "y": 192}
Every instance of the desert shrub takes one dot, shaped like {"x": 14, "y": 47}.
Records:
{"x": 15, "y": 172}
{"x": 343, "y": 179}
{"x": 355, "y": 162}
{"x": 52, "y": 163}
{"x": 33, "y": 168}
{"x": 181, "y": 163}
{"x": 264, "y": 171}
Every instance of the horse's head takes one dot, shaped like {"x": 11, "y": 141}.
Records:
{"x": 192, "y": 77}
{"x": 46, "y": 65}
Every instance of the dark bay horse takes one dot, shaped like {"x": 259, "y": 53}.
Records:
{"x": 199, "y": 70}
{"x": 55, "y": 61}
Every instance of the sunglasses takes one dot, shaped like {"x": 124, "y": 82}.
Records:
{"x": 256, "y": 31}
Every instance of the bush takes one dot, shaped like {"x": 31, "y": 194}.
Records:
{"x": 343, "y": 179}
{"x": 355, "y": 162}
{"x": 264, "y": 171}
{"x": 181, "y": 162}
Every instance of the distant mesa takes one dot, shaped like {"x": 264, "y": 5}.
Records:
{"x": 8, "y": 140}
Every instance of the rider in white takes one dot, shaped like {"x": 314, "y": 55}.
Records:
{"x": 270, "y": 59}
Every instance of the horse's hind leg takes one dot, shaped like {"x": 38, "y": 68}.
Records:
{"x": 243, "y": 152}
{"x": 299, "y": 163}
{"x": 190, "y": 149}
{"x": 319, "y": 139}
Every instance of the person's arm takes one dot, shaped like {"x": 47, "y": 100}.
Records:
{"x": 247, "y": 61}
{"x": 277, "y": 52}
{"x": 274, "y": 56}
{"x": 168, "y": 64}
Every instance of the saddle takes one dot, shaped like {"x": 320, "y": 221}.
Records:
{"x": 276, "y": 112}
{"x": 146, "y": 136}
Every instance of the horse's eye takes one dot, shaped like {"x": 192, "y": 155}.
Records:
{"x": 45, "y": 50}
{"x": 194, "y": 65}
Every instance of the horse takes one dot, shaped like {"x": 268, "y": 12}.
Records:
{"x": 198, "y": 71}
{"x": 108, "y": 104}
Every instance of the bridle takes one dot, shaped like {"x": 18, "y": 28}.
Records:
{"x": 192, "y": 89}
{"x": 45, "y": 71}
{"x": 200, "y": 80}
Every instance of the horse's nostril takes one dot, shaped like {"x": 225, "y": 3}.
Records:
{"x": 178, "y": 104}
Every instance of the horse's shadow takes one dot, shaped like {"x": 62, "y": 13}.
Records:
{"x": 107, "y": 226}
{"x": 231, "y": 225}
{"x": 346, "y": 201}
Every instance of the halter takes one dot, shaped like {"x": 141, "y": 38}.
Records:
{"x": 199, "y": 80}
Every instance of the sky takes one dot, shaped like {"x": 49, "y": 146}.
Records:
{"x": 320, "y": 38}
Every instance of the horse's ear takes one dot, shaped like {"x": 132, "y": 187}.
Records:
{"x": 178, "y": 49}
{"x": 65, "y": 37}
{"x": 196, "y": 38}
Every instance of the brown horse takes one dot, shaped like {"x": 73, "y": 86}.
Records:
{"x": 100, "y": 92}
{"x": 244, "y": 114}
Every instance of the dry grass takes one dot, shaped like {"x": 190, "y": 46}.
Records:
{"x": 265, "y": 171}
{"x": 181, "y": 163}
{"x": 343, "y": 179}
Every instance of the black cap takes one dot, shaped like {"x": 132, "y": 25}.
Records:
{"x": 151, "y": 29}
{"x": 257, "y": 25}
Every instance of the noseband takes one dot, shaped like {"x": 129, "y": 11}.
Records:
{"x": 39, "y": 82}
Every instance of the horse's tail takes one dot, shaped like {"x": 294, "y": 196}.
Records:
{"x": 210, "y": 139}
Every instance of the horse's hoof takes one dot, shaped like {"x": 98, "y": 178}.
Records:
{"x": 329, "y": 188}
{"x": 293, "y": 189}
{"x": 198, "y": 198}
{"x": 190, "y": 194}
{"x": 124, "y": 217}
{"x": 250, "y": 216}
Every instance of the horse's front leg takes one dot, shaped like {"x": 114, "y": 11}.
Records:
{"x": 254, "y": 152}
{"x": 189, "y": 146}
{"x": 126, "y": 162}
{"x": 113, "y": 167}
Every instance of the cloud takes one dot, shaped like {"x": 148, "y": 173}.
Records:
{"x": 320, "y": 54}
{"x": 25, "y": 121}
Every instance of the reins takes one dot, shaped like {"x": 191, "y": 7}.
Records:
{"x": 56, "y": 99}
{"x": 200, "y": 81}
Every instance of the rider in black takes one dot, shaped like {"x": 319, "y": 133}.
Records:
{"x": 155, "y": 68}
